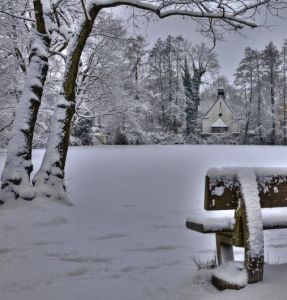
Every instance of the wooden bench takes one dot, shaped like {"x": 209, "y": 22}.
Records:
{"x": 246, "y": 191}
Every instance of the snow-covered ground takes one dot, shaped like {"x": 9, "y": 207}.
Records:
{"x": 125, "y": 236}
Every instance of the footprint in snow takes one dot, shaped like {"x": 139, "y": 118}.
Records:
{"x": 53, "y": 221}
{"x": 153, "y": 249}
{"x": 77, "y": 272}
{"x": 68, "y": 257}
{"x": 110, "y": 236}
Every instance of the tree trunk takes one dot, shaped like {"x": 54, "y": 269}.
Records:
{"x": 284, "y": 96}
{"x": 249, "y": 109}
{"x": 272, "y": 96}
{"x": 259, "y": 103}
{"x": 18, "y": 166}
{"x": 192, "y": 103}
{"x": 49, "y": 179}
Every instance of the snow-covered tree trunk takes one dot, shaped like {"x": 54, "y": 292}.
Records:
{"x": 259, "y": 101}
{"x": 245, "y": 140}
{"x": 15, "y": 180}
{"x": 192, "y": 102}
{"x": 49, "y": 180}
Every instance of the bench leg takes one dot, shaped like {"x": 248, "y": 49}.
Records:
{"x": 224, "y": 247}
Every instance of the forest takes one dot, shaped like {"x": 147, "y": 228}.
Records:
{"x": 130, "y": 91}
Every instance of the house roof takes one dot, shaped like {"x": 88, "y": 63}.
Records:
{"x": 219, "y": 123}
{"x": 218, "y": 99}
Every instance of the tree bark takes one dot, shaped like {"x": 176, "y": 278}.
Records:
{"x": 18, "y": 167}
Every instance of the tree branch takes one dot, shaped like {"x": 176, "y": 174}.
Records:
{"x": 85, "y": 11}
{"x": 124, "y": 109}
{"x": 6, "y": 126}
{"x": 183, "y": 8}
{"x": 15, "y": 16}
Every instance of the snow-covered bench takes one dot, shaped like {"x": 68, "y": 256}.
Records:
{"x": 255, "y": 194}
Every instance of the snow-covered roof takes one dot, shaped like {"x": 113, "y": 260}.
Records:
{"x": 220, "y": 98}
{"x": 219, "y": 123}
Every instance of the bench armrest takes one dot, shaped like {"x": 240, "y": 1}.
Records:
{"x": 210, "y": 225}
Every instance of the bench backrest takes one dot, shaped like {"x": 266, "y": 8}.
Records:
{"x": 222, "y": 191}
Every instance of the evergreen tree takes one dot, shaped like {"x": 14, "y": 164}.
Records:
{"x": 83, "y": 130}
{"x": 204, "y": 61}
{"x": 189, "y": 109}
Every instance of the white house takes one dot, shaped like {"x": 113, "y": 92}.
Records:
{"x": 220, "y": 118}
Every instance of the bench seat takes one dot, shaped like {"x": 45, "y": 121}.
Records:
{"x": 270, "y": 220}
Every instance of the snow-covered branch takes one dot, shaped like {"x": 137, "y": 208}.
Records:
{"x": 114, "y": 111}
{"x": 7, "y": 125}
{"x": 232, "y": 13}
{"x": 16, "y": 16}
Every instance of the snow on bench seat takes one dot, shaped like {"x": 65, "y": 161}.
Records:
{"x": 272, "y": 218}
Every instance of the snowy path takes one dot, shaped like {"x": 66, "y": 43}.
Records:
{"x": 125, "y": 238}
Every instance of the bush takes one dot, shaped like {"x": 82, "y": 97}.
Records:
{"x": 120, "y": 138}
{"x": 211, "y": 263}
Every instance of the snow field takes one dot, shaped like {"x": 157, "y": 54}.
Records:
{"x": 125, "y": 236}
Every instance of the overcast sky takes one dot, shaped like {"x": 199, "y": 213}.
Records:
{"x": 230, "y": 51}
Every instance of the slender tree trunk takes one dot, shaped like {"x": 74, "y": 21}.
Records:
{"x": 170, "y": 75}
{"x": 161, "y": 91}
{"x": 49, "y": 179}
{"x": 249, "y": 109}
{"x": 18, "y": 167}
{"x": 272, "y": 96}
{"x": 177, "y": 73}
{"x": 284, "y": 96}
{"x": 259, "y": 103}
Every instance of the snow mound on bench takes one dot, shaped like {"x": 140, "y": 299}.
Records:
{"x": 232, "y": 272}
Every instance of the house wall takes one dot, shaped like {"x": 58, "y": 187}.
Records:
{"x": 227, "y": 116}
